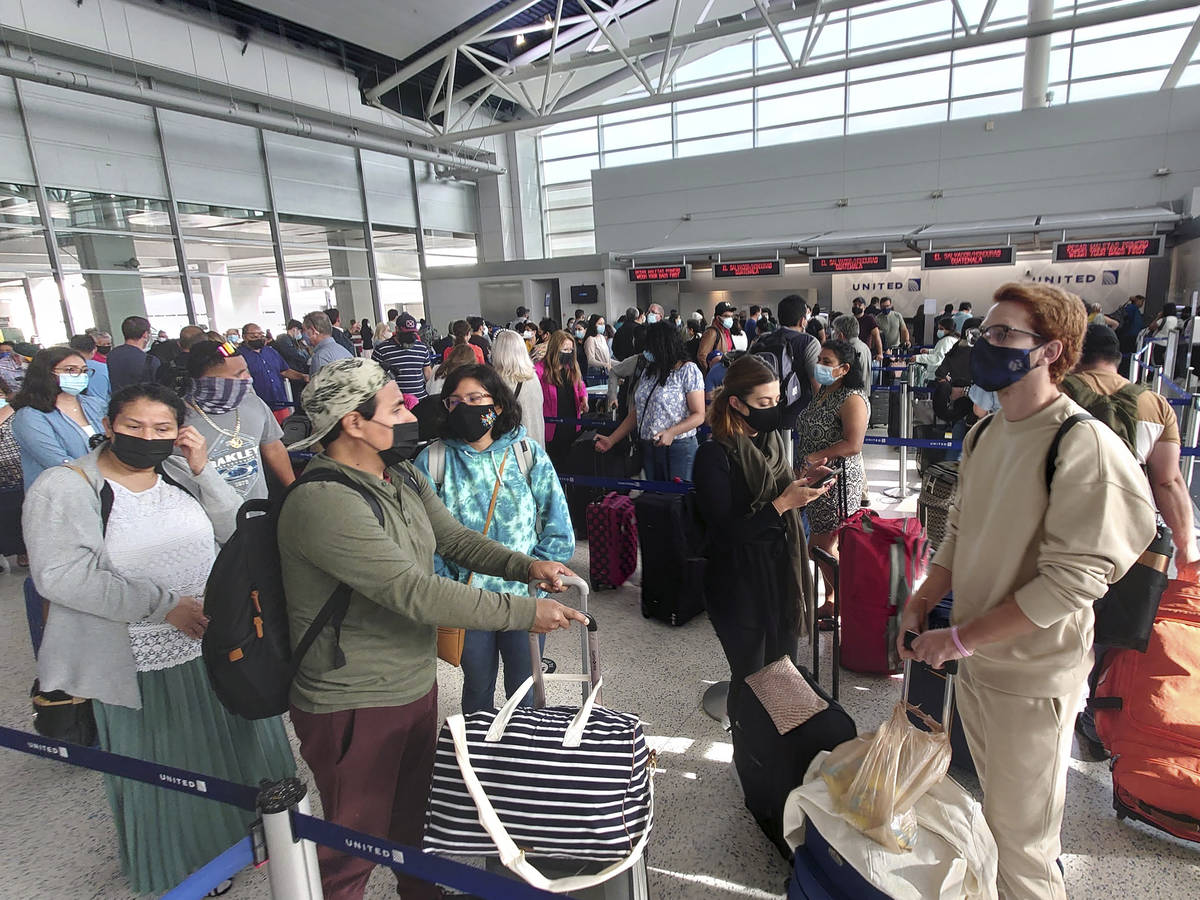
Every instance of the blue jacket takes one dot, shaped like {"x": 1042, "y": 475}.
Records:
{"x": 521, "y": 504}
{"x": 50, "y": 439}
{"x": 98, "y": 384}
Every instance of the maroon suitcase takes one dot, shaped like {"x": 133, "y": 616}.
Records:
{"x": 612, "y": 540}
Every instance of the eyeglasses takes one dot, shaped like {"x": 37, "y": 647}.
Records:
{"x": 470, "y": 400}
{"x": 997, "y": 335}
{"x": 72, "y": 370}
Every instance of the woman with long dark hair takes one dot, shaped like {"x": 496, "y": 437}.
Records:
{"x": 667, "y": 407}
{"x": 497, "y": 481}
{"x": 758, "y": 583}
{"x": 595, "y": 344}
{"x": 563, "y": 393}
{"x": 125, "y": 622}
{"x": 55, "y": 417}
{"x": 831, "y": 430}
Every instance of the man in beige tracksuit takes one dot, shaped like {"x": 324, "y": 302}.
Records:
{"x": 1025, "y": 567}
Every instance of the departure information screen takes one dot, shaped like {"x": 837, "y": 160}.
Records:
{"x": 1117, "y": 248}
{"x": 660, "y": 273}
{"x": 756, "y": 268}
{"x": 973, "y": 256}
{"x": 868, "y": 262}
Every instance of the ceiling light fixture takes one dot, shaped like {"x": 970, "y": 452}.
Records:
{"x": 519, "y": 40}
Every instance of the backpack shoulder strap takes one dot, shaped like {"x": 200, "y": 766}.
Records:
{"x": 524, "y": 457}
{"x": 980, "y": 429}
{"x": 331, "y": 475}
{"x": 334, "y": 610}
{"x": 1052, "y": 453}
{"x": 437, "y": 464}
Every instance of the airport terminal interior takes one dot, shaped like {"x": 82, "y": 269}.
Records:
{"x": 541, "y": 165}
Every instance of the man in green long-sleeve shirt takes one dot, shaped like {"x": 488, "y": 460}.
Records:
{"x": 368, "y": 728}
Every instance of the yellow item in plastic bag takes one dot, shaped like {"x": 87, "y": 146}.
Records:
{"x": 875, "y": 779}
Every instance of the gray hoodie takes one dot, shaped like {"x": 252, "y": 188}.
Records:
{"x": 86, "y": 650}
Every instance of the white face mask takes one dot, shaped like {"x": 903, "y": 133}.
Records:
{"x": 727, "y": 322}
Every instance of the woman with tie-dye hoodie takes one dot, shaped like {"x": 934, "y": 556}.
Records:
{"x": 485, "y": 463}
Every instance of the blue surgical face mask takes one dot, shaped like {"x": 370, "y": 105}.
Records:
{"x": 648, "y": 356}
{"x": 824, "y": 374}
{"x": 580, "y": 333}
{"x": 651, "y": 318}
{"x": 73, "y": 384}
{"x": 995, "y": 368}
{"x": 727, "y": 322}
{"x": 3, "y": 402}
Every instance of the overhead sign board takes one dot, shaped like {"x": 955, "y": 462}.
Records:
{"x": 863, "y": 262}
{"x": 1116, "y": 248}
{"x": 755, "y": 268}
{"x": 968, "y": 257}
{"x": 644, "y": 274}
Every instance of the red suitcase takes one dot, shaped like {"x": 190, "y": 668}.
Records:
{"x": 880, "y": 560}
{"x": 612, "y": 540}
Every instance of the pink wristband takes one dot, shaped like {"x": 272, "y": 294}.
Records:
{"x": 957, "y": 643}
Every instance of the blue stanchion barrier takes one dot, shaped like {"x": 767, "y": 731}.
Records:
{"x": 408, "y": 860}
{"x": 1179, "y": 401}
{"x": 921, "y": 443}
{"x": 1189, "y": 451}
{"x": 628, "y": 484}
{"x": 411, "y": 861}
{"x": 168, "y": 777}
{"x": 213, "y": 872}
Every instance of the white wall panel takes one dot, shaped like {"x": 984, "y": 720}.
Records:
{"x": 94, "y": 143}
{"x": 14, "y": 154}
{"x": 445, "y": 204}
{"x": 214, "y": 162}
{"x": 389, "y": 189}
{"x": 1082, "y": 157}
{"x": 312, "y": 178}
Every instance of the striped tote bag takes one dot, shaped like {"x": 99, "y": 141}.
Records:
{"x": 554, "y": 782}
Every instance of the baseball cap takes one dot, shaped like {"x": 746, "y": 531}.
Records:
{"x": 724, "y": 307}
{"x": 406, "y": 322}
{"x": 337, "y": 389}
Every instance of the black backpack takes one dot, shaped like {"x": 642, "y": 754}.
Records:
{"x": 782, "y": 351}
{"x": 247, "y": 646}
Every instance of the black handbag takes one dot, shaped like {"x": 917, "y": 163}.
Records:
{"x": 59, "y": 715}
{"x": 1125, "y": 615}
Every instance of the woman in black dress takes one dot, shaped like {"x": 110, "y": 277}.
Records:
{"x": 758, "y": 584}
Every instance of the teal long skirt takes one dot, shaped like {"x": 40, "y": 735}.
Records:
{"x": 165, "y": 835}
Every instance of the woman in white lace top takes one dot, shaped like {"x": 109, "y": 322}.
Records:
{"x": 125, "y": 622}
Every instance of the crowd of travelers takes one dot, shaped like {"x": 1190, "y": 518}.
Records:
{"x": 133, "y": 460}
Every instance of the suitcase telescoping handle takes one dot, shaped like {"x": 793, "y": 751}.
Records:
{"x": 589, "y": 647}
{"x": 950, "y": 667}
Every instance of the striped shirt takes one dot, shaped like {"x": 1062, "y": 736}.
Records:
{"x": 405, "y": 363}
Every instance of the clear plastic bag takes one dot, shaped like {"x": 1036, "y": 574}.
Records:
{"x": 875, "y": 779}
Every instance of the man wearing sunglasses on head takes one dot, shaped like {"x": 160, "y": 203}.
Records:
{"x": 1025, "y": 565}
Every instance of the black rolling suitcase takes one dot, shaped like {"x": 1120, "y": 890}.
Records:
{"x": 582, "y": 459}
{"x": 927, "y": 457}
{"x": 772, "y": 756}
{"x": 672, "y": 565}
{"x": 927, "y": 689}
{"x": 879, "y": 409}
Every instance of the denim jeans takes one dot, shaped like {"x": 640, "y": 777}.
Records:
{"x": 482, "y": 652}
{"x": 670, "y": 462}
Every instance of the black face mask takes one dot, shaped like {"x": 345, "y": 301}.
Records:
{"x": 103, "y": 348}
{"x": 406, "y": 442}
{"x": 567, "y": 357}
{"x": 470, "y": 423}
{"x": 762, "y": 420}
{"x": 139, "y": 453}
{"x": 256, "y": 344}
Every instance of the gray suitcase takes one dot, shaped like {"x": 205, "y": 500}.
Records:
{"x": 632, "y": 884}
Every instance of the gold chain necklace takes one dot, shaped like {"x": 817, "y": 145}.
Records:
{"x": 236, "y": 441}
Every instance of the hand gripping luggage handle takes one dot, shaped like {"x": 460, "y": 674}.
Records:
{"x": 588, "y": 649}
{"x": 950, "y": 667}
{"x": 510, "y": 854}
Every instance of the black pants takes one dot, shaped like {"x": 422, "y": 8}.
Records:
{"x": 749, "y": 647}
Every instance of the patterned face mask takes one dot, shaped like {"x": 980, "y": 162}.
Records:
{"x": 219, "y": 395}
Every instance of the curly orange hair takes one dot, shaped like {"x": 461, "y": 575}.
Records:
{"x": 1057, "y": 315}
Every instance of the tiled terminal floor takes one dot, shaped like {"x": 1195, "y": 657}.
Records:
{"x": 57, "y": 841}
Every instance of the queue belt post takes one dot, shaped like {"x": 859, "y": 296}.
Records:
{"x": 900, "y": 492}
{"x": 292, "y": 868}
